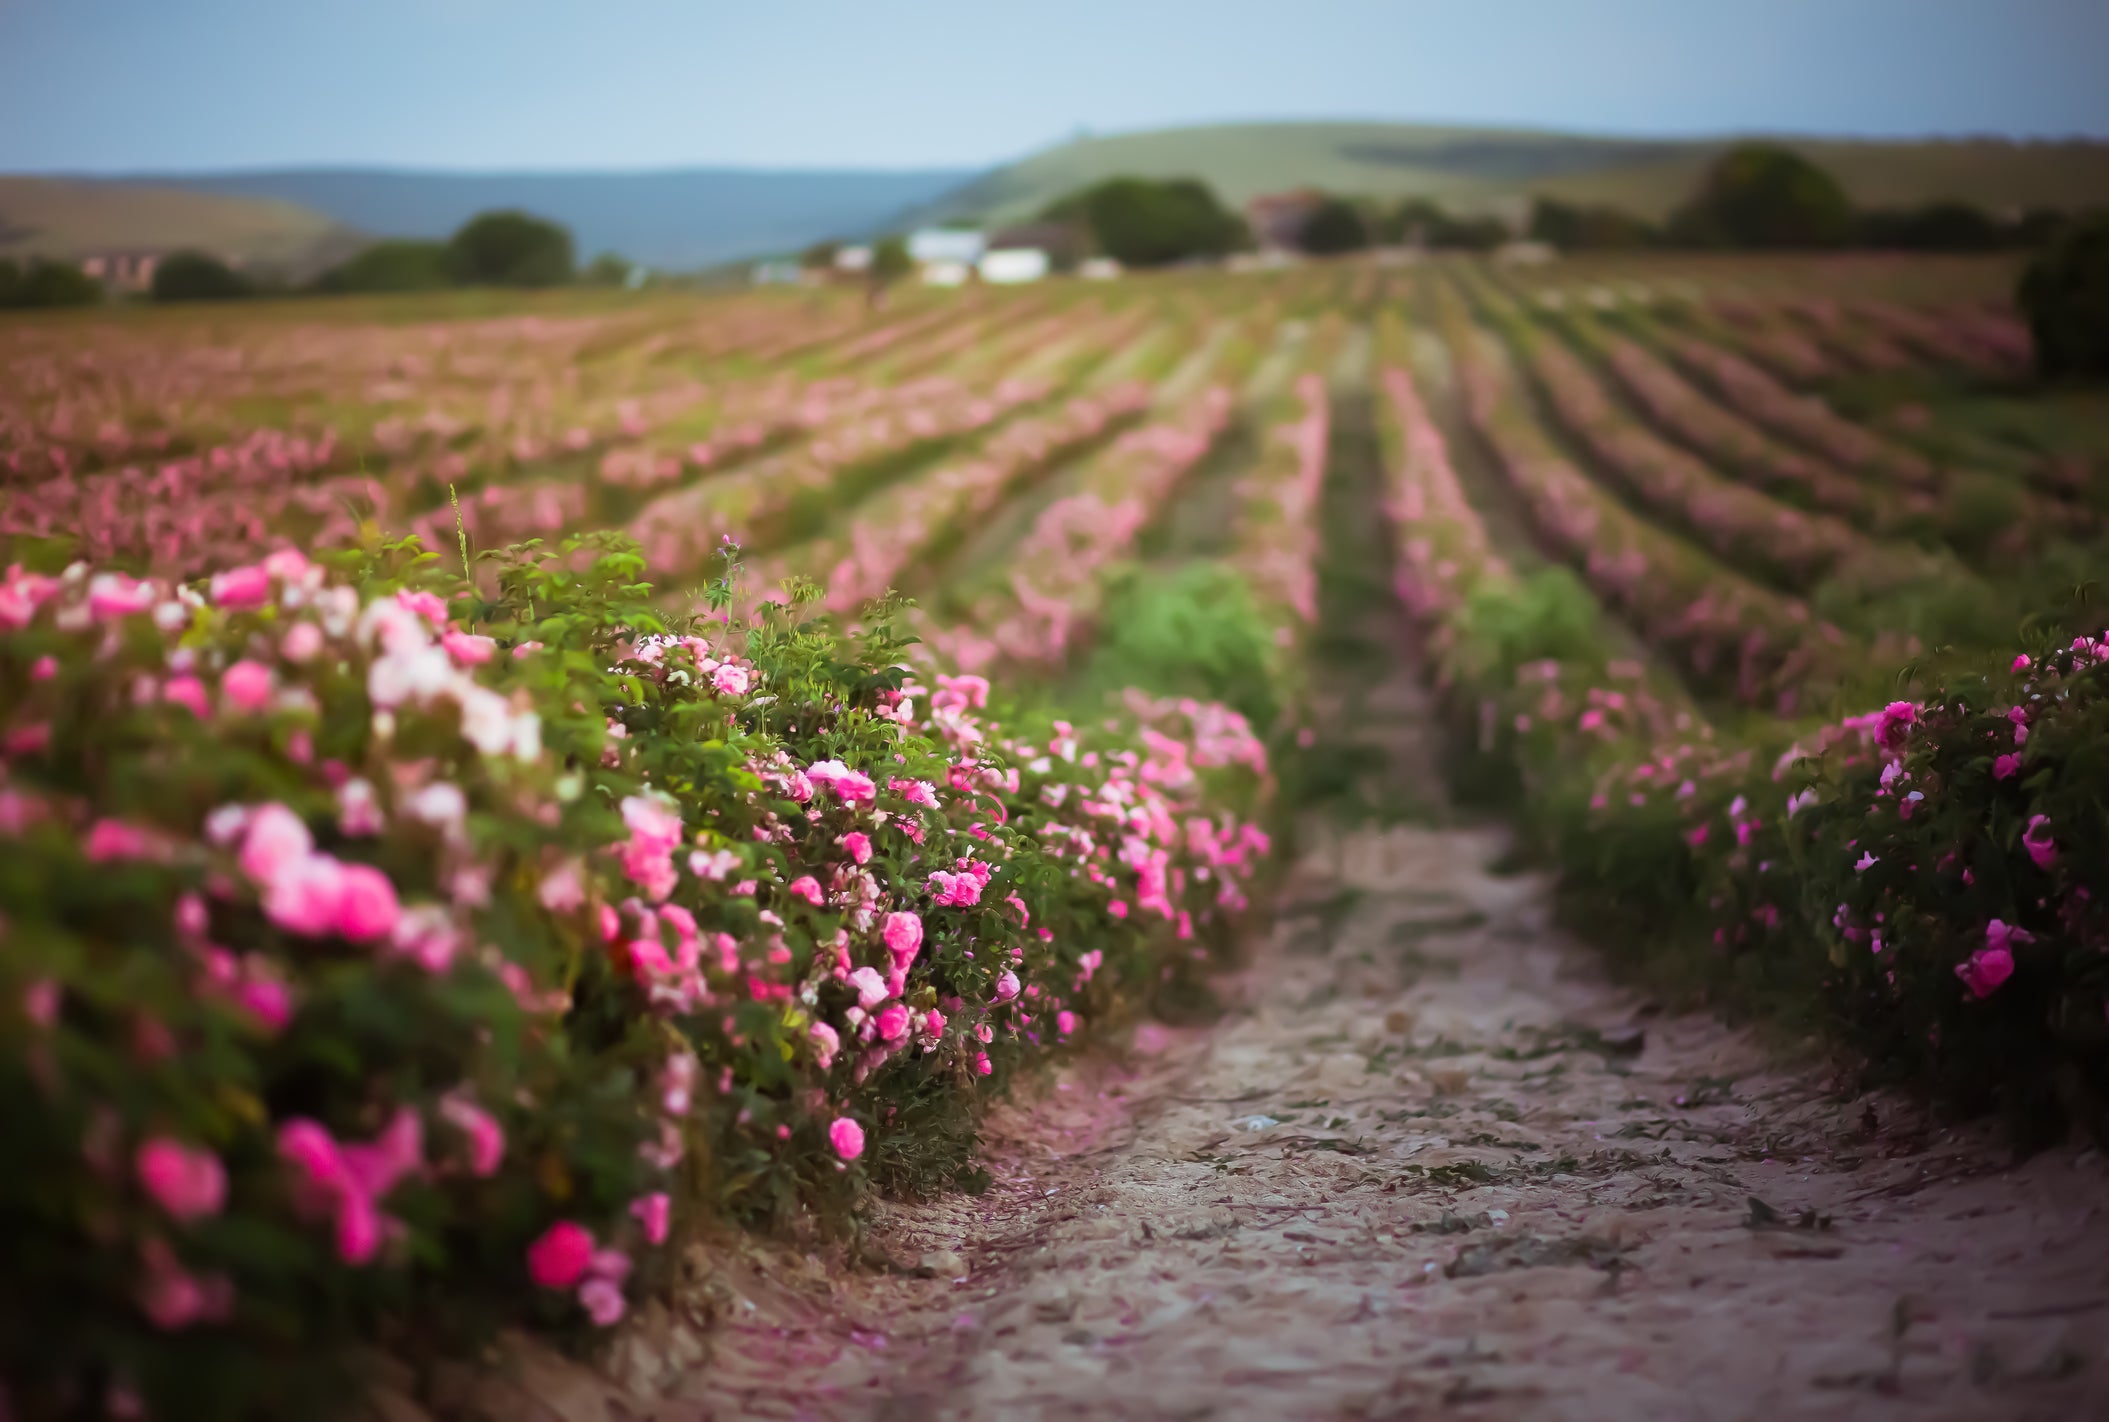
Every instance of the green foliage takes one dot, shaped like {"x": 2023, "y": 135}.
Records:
{"x": 510, "y": 248}
{"x": 1936, "y": 227}
{"x": 2065, "y": 294}
{"x": 890, "y": 260}
{"x": 608, "y": 269}
{"x": 1337, "y": 225}
{"x": 1142, "y": 222}
{"x": 44, "y": 283}
{"x": 1587, "y": 227}
{"x": 198, "y": 276}
{"x": 1765, "y": 195}
{"x": 1503, "y": 625}
{"x": 820, "y": 255}
{"x": 1192, "y": 630}
{"x": 396, "y": 265}
{"x": 1428, "y": 224}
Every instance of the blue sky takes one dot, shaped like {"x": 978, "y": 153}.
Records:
{"x": 115, "y": 85}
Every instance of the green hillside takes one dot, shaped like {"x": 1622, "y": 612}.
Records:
{"x": 1477, "y": 166}
{"x": 67, "y": 217}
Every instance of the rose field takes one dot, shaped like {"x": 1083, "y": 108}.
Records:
{"x": 508, "y": 800}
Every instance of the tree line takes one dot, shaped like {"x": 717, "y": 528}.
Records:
{"x": 493, "y": 249}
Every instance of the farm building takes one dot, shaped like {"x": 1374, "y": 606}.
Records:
{"x": 1277, "y": 219}
{"x": 946, "y": 244}
{"x": 1010, "y": 266}
{"x": 123, "y": 271}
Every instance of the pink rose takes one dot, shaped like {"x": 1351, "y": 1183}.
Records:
{"x": 1006, "y": 985}
{"x": 115, "y": 595}
{"x": 486, "y": 1136}
{"x": 366, "y": 904}
{"x": 903, "y": 933}
{"x": 301, "y": 642}
{"x": 871, "y": 988}
{"x": 893, "y": 1021}
{"x": 273, "y": 840}
{"x": 187, "y": 1182}
{"x": 730, "y": 680}
{"x": 111, "y": 840}
{"x": 653, "y": 1212}
{"x": 847, "y": 1137}
{"x": 1895, "y": 724}
{"x": 806, "y": 887}
{"x": 858, "y": 844}
{"x": 189, "y": 693}
{"x": 560, "y": 1257}
{"x": 467, "y": 649}
{"x": 239, "y": 589}
{"x": 1986, "y": 970}
{"x": 2005, "y": 767}
{"x": 2037, "y": 841}
{"x": 826, "y": 1042}
{"x": 247, "y": 686}
{"x": 603, "y": 1301}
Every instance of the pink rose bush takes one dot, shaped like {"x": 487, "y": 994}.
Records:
{"x": 1928, "y": 878}
{"x": 405, "y": 957}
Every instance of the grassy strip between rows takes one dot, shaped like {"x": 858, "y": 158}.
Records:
{"x": 387, "y": 961}
{"x": 1928, "y": 881}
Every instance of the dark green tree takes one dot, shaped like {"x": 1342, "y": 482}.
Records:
{"x": 1142, "y": 222}
{"x": 819, "y": 255}
{"x": 1583, "y": 227}
{"x": 1334, "y": 226}
{"x": 1424, "y": 223}
{"x": 510, "y": 248}
{"x": 2065, "y": 294}
{"x": 43, "y": 283}
{"x": 401, "y": 265}
{"x": 608, "y": 269}
{"x": 1936, "y": 227}
{"x": 1765, "y": 195}
{"x": 890, "y": 260}
{"x": 198, "y": 276}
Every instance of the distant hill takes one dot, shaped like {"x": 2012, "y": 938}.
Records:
{"x": 70, "y": 217}
{"x": 690, "y": 218}
{"x": 678, "y": 219}
{"x": 1480, "y": 166}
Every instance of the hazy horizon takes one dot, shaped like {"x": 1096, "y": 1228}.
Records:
{"x": 130, "y": 87}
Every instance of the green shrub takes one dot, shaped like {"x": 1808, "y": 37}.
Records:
{"x": 890, "y": 260}
{"x": 1191, "y": 631}
{"x": 510, "y": 249}
{"x": 397, "y": 265}
{"x": 1142, "y": 222}
{"x": 1335, "y": 226}
{"x": 608, "y": 269}
{"x": 1765, "y": 195}
{"x": 44, "y": 283}
{"x": 1936, "y": 227}
{"x": 1419, "y": 220}
{"x": 2065, "y": 294}
{"x": 198, "y": 276}
{"x": 1578, "y": 227}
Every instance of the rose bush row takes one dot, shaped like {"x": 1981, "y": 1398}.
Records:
{"x": 1927, "y": 880}
{"x": 383, "y": 960}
